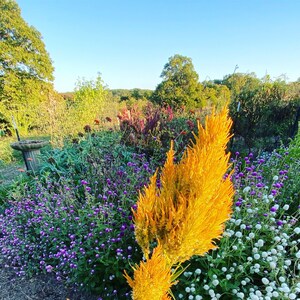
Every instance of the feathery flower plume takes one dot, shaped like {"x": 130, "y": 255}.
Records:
{"x": 188, "y": 212}
{"x": 152, "y": 279}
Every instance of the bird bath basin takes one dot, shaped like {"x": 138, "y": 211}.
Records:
{"x": 31, "y": 152}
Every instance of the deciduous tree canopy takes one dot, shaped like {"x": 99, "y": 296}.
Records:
{"x": 180, "y": 85}
{"x": 25, "y": 67}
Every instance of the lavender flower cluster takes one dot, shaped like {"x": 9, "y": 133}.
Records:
{"x": 82, "y": 233}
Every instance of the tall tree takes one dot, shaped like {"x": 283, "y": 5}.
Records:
{"x": 89, "y": 99}
{"x": 180, "y": 85}
{"x": 26, "y": 70}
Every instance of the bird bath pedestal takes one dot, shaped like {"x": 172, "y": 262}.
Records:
{"x": 31, "y": 152}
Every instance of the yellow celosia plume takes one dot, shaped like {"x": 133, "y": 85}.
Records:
{"x": 152, "y": 279}
{"x": 188, "y": 212}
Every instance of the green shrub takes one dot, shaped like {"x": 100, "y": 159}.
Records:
{"x": 6, "y": 153}
{"x": 263, "y": 111}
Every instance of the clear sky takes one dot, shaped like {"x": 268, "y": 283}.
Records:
{"x": 130, "y": 41}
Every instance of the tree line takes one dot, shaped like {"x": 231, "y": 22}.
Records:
{"x": 260, "y": 108}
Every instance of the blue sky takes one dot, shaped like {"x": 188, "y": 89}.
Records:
{"x": 129, "y": 42}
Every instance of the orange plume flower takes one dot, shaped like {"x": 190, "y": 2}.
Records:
{"x": 188, "y": 212}
{"x": 152, "y": 279}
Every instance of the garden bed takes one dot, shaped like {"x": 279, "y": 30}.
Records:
{"x": 77, "y": 225}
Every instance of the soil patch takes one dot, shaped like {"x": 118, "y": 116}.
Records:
{"x": 42, "y": 287}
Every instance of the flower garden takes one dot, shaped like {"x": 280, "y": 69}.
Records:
{"x": 80, "y": 217}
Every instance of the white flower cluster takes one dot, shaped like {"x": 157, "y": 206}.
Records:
{"x": 259, "y": 255}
